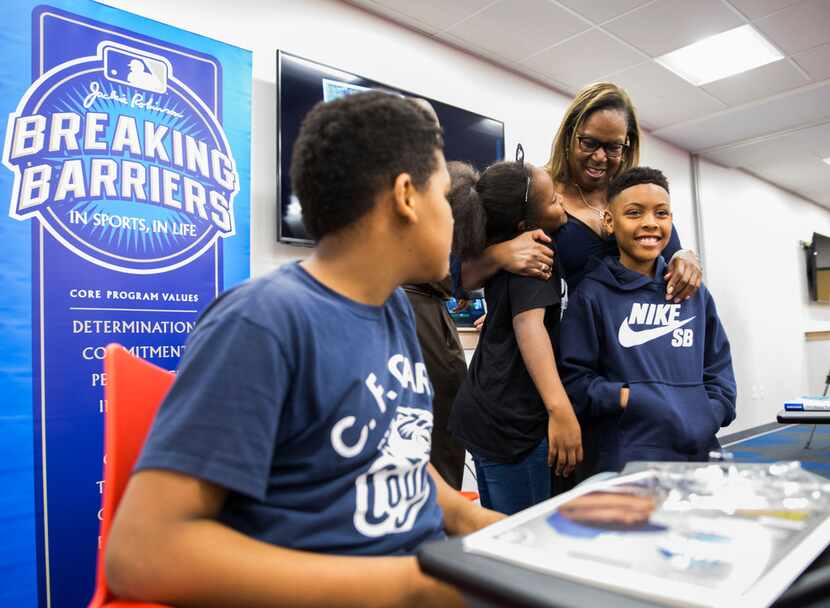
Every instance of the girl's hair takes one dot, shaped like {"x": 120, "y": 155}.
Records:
{"x": 595, "y": 97}
{"x": 487, "y": 208}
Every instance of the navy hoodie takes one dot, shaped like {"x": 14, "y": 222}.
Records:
{"x": 620, "y": 330}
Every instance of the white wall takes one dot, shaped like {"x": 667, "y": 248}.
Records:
{"x": 756, "y": 272}
{"x": 818, "y": 364}
{"x": 751, "y": 229}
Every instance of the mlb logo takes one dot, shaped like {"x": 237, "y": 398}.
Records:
{"x": 134, "y": 68}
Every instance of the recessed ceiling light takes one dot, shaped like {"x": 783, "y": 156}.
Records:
{"x": 721, "y": 55}
{"x": 827, "y": 160}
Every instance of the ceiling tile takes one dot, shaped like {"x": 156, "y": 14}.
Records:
{"x": 474, "y": 49}
{"x": 753, "y": 9}
{"x": 497, "y": 59}
{"x": 761, "y": 82}
{"x": 517, "y": 29}
{"x": 787, "y": 111}
{"x": 819, "y": 195}
{"x": 550, "y": 81}
{"x": 436, "y": 13}
{"x": 798, "y": 27}
{"x": 808, "y": 144}
{"x": 602, "y": 10}
{"x": 814, "y": 141}
{"x": 661, "y": 98}
{"x": 584, "y": 58}
{"x": 397, "y": 17}
{"x": 667, "y": 25}
{"x": 801, "y": 174}
{"x": 816, "y": 61}
{"x": 819, "y": 145}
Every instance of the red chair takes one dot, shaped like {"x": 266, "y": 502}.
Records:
{"x": 133, "y": 393}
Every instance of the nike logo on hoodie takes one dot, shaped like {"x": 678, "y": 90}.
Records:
{"x": 663, "y": 316}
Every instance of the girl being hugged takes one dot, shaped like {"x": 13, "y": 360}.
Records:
{"x": 512, "y": 412}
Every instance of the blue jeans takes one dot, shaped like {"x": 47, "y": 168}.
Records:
{"x": 509, "y": 488}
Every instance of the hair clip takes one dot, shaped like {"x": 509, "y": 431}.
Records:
{"x": 520, "y": 158}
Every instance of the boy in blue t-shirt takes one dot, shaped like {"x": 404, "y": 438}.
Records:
{"x": 293, "y": 449}
{"x": 654, "y": 377}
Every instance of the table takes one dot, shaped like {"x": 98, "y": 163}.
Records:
{"x": 802, "y": 417}
{"x": 490, "y": 583}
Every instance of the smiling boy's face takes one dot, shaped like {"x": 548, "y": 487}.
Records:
{"x": 640, "y": 218}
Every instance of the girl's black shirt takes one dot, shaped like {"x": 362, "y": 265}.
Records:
{"x": 498, "y": 413}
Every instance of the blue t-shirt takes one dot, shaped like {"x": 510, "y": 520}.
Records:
{"x": 313, "y": 411}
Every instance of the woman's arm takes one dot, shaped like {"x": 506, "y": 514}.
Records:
{"x": 684, "y": 276}
{"x": 166, "y": 546}
{"x": 526, "y": 255}
{"x": 564, "y": 434}
{"x": 684, "y": 272}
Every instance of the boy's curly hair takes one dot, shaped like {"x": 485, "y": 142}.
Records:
{"x": 351, "y": 149}
{"x": 635, "y": 177}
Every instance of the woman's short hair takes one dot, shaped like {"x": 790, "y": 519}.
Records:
{"x": 594, "y": 97}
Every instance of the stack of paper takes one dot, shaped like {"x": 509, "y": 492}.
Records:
{"x": 808, "y": 404}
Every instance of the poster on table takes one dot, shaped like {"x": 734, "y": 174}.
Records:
{"x": 125, "y": 177}
{"x": 719, "y": 535}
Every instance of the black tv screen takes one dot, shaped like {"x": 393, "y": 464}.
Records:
{"x": 301, "y": 84}
{"x": 818, "y": 268}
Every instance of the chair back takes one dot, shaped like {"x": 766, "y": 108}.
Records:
{"x": 133, "y": 392}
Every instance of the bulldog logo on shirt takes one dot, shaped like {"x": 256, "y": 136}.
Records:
{"x": 392, "y": 492}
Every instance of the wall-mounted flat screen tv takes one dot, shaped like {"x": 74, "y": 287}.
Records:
{"x": 818, "y": 268}
{"x": 301, "y": 83}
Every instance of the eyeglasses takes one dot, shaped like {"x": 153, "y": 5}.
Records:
{"x": 590, "y": 145}
{"x": 520, "y": 158}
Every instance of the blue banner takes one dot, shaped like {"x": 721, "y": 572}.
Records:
{"x": 126, "y": 170}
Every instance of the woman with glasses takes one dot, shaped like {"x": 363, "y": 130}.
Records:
{"x": 598, "y": 138}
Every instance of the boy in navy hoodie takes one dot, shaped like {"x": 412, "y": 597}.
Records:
{"x": 654, "y": 378}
